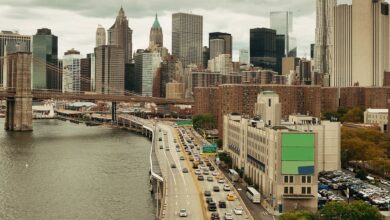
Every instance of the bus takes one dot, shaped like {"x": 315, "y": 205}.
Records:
{"x": 253, "y": 195}
{"x": 233, "y": 175}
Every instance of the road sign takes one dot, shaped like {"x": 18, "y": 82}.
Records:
{"x": 209, "y": 149}
{"x": 184, "y": 123}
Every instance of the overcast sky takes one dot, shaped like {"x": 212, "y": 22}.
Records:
{"x": 75, "y": 21}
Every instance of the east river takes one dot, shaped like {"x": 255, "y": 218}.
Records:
{"x": 69, "y": 171}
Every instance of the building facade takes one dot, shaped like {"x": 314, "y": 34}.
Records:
{"x": 156, "y": 35}
{"x": 187, "y": 38}
{"x": 377, "y": 117}
{"x": 342, "y": 60}
{"x": 217, "y": 47}
{"x": 121, "y": 35}
{"x": 85, "y": 73}
{"x": 146, "y": 65}
{"x": 282, "y": 22}
{"x": 71, "y": 70}
{"x": 244, "y": 58}
{"x": 222, "y": 64}
{"x": 110, "y": 70}
{"x": 174, "y": 90}
{"x": 284, "y": 160}
{"x": 323, "y": 52}
{"x": 11, "y": 42}
{"x": 263, "y": 48}
{"x": 227, "y": 47}
{"x": 45, "y": 73}
{"x": 100, "y": 36}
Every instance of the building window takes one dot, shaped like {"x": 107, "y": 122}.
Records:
{"x": 309, "y": 179}
{"x": 286, "y": 190}
{"x": 303, "y": 190}
{"x": 285, "y": 179}
{"x": 269, "y": 102}
{"x": 291, "y": 190}
{"x": 291, "y": 179}
{"x": 303, "y": 179}
{"x": 308, "y": 190}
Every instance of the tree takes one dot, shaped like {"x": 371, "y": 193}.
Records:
{"x": 204, "y": 121}
{"x": 297, "y": 215}
{"x": 357, "y": 210}
{"x": 355, "y": 115}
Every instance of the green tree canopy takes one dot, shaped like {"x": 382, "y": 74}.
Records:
{"x": 297, "y": 215}
{"x": 204, "y": 121}
{"x": 357, "y": 210}
{"x": 355, "y": 115}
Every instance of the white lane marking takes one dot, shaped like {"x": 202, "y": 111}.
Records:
{"x": 170, "y": 169}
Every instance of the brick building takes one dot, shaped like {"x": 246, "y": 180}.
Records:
{"x": 312, "y": 100}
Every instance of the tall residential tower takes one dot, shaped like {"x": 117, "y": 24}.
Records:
{"x": 100, "y": 36}
{"x": 323, "y": 54}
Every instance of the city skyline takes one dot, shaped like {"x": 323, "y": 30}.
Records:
{"x": 84, "y": 21}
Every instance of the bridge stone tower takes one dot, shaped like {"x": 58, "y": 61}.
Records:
{"x": 19, "y": 101}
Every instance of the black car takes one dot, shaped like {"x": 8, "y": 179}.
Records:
{"x": 222, "y": 204}
{"x": 211, "y": 168}
{"x": 208, "y": 164}
{"x": 212, "y": 207}
{"x": 216, "y": 188}
{"x": 200, "y": 178}
{"x": 215, "y": 216}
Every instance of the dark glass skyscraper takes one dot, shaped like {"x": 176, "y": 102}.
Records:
{"x": 263, "y": 48}
{"x": 280, "y": 52}
{"x": 45, "y": 71}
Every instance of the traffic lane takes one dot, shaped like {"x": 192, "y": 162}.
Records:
{"x": 222, "y": 196}
{"x": 190, "y": 192}
{"x": 176, "y": 192}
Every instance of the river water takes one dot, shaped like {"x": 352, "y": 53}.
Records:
{"x": 69, "y": 171}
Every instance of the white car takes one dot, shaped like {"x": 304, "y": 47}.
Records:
{"x": 226, "y": 188}
{"x": 221, "y": 180}
{"x": 197, "y": 172}
{"x": 215, "y": 173}
{"x": 183, "y": 213}
{"x": 228, "y": 216}
{"x": 238, "y": 211}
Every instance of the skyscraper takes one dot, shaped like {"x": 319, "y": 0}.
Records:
{"x": 370, "y": 42}
{"x": 45, "y": 74}
{"x": 11, "y": 42}
{"x": 187, "y": 38}
{"x": 342, "y": 59}
{"x": 227, "y": 40}
{"x": 217, "y": 47}
{"x": 86, "y": 73}
{"x": 71, "y": 71}
{"x": 100, "y": 36}
{"x": 205, "y": 56}
{"x": 244, "y": 57}
{"x": 110, "y": 69}
{"x": 146, "y": 65}
{"x": 323, "y": 53}
{"x": 121, "y": 35}
{"x": 263, "y": 48}
{"x": 156, "y": 35}
{"x": 280, "y": 52}
{"x": 282, "y": 22}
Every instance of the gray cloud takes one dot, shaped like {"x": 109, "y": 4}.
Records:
{"x": 142, "y": 8}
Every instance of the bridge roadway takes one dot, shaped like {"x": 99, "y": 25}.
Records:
{"x": 39, "y": 94}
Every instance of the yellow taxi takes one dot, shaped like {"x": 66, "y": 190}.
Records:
{"x": 231, "y": 197}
